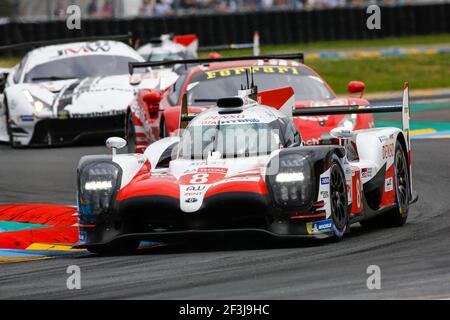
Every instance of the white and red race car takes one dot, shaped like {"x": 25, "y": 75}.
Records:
{"x": 242, "y": 167}
{"x": 168, "y": 47}
{"x": 62, "y": 92}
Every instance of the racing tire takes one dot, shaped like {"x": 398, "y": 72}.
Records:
{"x": 398, "y": 215}
{"x": 131, "y": 134}
{"x": 121, "y": 248}
{"x": 338, "y": 200}
{"x": 8, "y": 126}
{"x": 163, "y": 130}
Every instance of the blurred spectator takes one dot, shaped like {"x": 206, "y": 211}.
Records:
{"x": 108, "y": 9}
{"x": 20, "y": 9}
{"x": 60, "y": 10}
{"x": 146, "y": 8}
{"x": 163, "y": 7}
{"x": 92, "y": 8}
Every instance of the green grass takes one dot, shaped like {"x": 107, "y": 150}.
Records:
{"x": 8, "y": 62}
{"x": 386, "y": 74}
{"x": 379, "y": 74}
{"x": 345, "y": 44}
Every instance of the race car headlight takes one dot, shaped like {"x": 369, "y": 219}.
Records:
{"x": 37, "y": 103}
{"x": 291, "y": 185}
{"x": 348, "y": 122}
{"x": 98, "y": 183}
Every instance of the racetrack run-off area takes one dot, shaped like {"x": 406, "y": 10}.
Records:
{"x": 413, "y": 259}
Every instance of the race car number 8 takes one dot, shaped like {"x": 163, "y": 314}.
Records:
{"x": 199, "y": 178}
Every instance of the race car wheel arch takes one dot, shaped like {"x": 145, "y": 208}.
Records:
{"x": 398, "y": 215}
{"x": 338, "y": 198}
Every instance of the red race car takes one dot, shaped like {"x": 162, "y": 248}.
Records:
{"x": 155, "y": 114}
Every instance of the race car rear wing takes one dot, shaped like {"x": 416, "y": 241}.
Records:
{"x": 36, "y": 44}
{"x": 287, "y": 56}
{"x": 403, "y": 108}
{"x": 349, "y": 109}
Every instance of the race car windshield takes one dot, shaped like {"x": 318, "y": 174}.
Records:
{"x": 210, "y": 85}
{"x": 162, "y": 56}
{"x": 231, "y": 140}
{"x": 80, "y": 67}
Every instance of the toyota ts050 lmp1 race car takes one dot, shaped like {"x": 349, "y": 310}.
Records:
{"x": 62, "y": 92}
{"x": 154, "y": 113}
{"x": 242, "y": 167}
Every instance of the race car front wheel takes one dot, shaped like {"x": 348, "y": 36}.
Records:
{"x": 338, "y": 197}
{"x": 398, "y": 215}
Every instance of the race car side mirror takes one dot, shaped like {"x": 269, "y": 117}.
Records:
{"x": 135, "y": 79}
{"x": 356, "y": 87}
{"x": 342, "y": 133}
{"x": 115, "y": 143}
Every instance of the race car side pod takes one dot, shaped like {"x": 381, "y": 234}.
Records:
{"x": 37, "y": 44}
{"x": 349, "y": 109}
{"x": 285, "y": 56}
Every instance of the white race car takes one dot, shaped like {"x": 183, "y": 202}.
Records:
{"x": 167, "y": 47}
{"x": 242, "y": 168}
{"x": 61, "y": 93}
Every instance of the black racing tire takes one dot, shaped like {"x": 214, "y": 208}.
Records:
{"x": 123, "y": 247}
{"x": 163, "y": 129}
{"x": 398, "y": 215}
{"x": 338, "y": 199}
{"x": 130, "y": 134}
{"x": 8, "y": 125}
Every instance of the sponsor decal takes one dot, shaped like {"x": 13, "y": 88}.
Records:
{"x": 191, "y": 200}
{"x": 388, "y": 185}
{"x": 383, "y": 138}
{"x": 83, "y": 236}
{"x": 325, "y": 180}
{"x": 312, "y": 142}
{"x": 26, "y": 118}
{"x": 348, "y": 171}
{"x": 90, "y": 47}
{"x": 254, "y": 69}
{"x": 196, "y": 188}
{"x": 315, "y": 118}
{"x": 324, "y": 194}
{"x": 320, "y": 226}
{"x": 387, "y": 151}
{"x": 366, "y": 172}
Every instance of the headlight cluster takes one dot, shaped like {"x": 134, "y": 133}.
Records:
{"x": 97, "y": 184}
{"x": 291, "y": 184}
{"x": 38, "y": 104}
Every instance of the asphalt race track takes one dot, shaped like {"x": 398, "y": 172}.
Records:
{"x": 414, "y": 259}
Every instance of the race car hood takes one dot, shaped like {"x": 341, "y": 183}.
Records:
{"x": 88, "y": 96}
{"x": 191, "y": 181}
